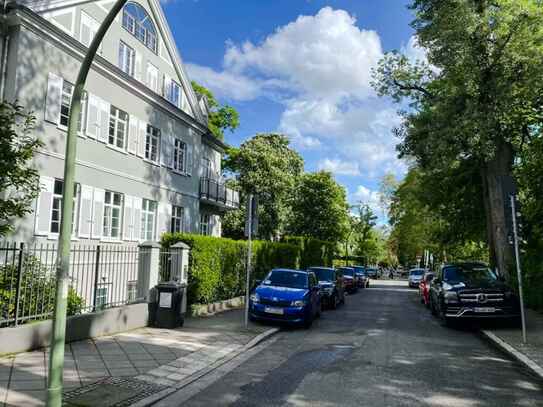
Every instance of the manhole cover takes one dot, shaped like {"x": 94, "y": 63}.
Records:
{"x": 111, "y": 392}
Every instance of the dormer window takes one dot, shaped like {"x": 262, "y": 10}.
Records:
{"x": 138, "y": 23}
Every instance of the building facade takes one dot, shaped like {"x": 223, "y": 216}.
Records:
{"x": 146, "y": 160}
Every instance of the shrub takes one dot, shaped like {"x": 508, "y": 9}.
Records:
{"x": 313, "y": 252}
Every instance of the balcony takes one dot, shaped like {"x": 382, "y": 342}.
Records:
{"x": 217, "y": 193}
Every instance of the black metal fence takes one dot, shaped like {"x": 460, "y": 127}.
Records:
{"x": 101, "y": 276}
{"x": 217, "y": 191}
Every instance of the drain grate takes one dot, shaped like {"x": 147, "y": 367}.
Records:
{"x": 111, "y": 392}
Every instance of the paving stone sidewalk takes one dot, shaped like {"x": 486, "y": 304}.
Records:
{"x": 510, "y": 340}
{"x": 148, "y": 357}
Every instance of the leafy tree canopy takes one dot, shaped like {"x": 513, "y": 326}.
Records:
{"x": 19, "y": 181}
{"x": 221, "y": 117}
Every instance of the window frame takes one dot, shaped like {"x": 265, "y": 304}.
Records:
{"x": 146, "y": 213}
{"x": 178, "y": 218}
{"x": 107, "y": 229}
{"x": 135, "y": 28}
{"x": 180, "y": 155}
{"x": 115, "y": 120}
{"x": 170, "y": 93}
{"x": 152, "y": 136}
{"x": 123, "y": 59}
{"x": 57, "y": 198}
{"x": 204, "y": 225}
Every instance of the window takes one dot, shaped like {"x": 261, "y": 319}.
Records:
{"x": 66, "y": 104}
{"x": 101, "y": 297}
{"x": 138, "y": 23}
{"x": 118, "y": 127}
{"x": 126, "y": 58}
{"x": 173, "y": 93}
{"x": 152, "y": 141}
{"x": 178, "y": 213}
{"x": 204, "y": 224}
{"x": 56, "y": 210}
{"x": 207, "y": 169}
{"x": 132, "y": 291}
{"x": 89, "y": 27}
{"x": 148, "y": 213}
{"x": 113, "y": 203}
{"x": 152, "y": 77}
{"x": 179, "y": 154}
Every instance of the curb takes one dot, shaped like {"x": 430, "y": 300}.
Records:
{"x": 155, "y": 398}
{"x": 511, "y": 351}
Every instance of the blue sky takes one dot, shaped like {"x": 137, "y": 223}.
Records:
{"x": 302, "y": 67}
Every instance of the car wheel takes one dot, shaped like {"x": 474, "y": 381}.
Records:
{"x": 432, "y": 307}
{"x": 368, "y": 284}
{"x": 446, "y": 322}
{"x": 308, "y": 322}
{"x": 319, "y": 310}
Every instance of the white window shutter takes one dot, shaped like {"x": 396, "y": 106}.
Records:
{"x": 104, "y": 121}
{"x": 164, "y": 218}
{"x": 133, "y": 124}
{"x": 128, "y": 218}
{"x": 97, "y": 213}
{"x": 93, "y": 116}
{"x": 136, "y": 230}
{"x": 86, "y": 34}
{"x": 166, "y": 151}
{"x": 186, "y": 221}
{"x": 44, "y": 206}
{"x": 139, "y": 68}
{"x": 167, "y": 85}
{"x": 53, "y": 100}
{"x": 85, "y": 212}
{"x": 188, "y": 161}
{"x": 142, "y": 133}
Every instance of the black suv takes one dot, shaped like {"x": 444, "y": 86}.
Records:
{"x": 471, "y": 290}
{"x": 331, "y": 285}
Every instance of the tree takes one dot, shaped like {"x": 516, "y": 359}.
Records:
{"x": 362, "y": 226}
{"x": 478, "y": 101}
{"x": 319, "y": 208}
{"x": 19, "y": 181}
{"x": 221, "y": 118}
{"x": 267, "y": 167}
{"x": 387, "y": 187}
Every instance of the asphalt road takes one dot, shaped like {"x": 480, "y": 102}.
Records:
{"x": 381, "y": 349}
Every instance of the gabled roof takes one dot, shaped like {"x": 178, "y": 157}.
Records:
{"x": 41, "y": 6}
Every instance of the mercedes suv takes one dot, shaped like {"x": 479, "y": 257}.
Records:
{"x": 471, "y": 290}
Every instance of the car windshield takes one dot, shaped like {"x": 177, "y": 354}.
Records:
{"x": 348, "y": 272}
{"x": 417, "y": 272}
{"x": 471, "y": 275}
{"x": 289, "y": 279}
{"x": 324, "y": 274}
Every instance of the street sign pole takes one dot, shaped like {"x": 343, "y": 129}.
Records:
{"x": 56, "y": 357}
{"x": 519, "y": 271}
{"x": 249, "y": 256}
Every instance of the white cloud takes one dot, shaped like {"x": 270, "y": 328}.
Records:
{"x": 339, "y": 167}
{"x": 368, "y": 197}
{"x": 225, "y": 84}
{"x": 414, "y": 51}
{"x": 319, "y": 68}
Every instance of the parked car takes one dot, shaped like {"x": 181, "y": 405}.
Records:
{"x": 363, "y": 280}
{"x": 290, "y": 296}
{"x": 372, "y": 272}
{"x": 472, "y": 290}
{"x": 424, "y": 287}
{"x": 349, "y": 279}
{"x": 415, "y": 276}
{"x": 331, "y": 286}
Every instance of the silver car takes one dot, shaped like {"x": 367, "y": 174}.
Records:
{"x": 415, "y": 277}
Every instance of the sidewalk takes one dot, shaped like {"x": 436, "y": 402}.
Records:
{"x": 126, "y": 368}
{"x": 510, "y": 341}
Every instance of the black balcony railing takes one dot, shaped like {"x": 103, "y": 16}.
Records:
{"x": 216, "y": 191}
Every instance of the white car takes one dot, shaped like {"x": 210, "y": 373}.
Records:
{"x": 415, "y": 277}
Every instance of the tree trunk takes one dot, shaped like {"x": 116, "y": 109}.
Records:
{"x": 495, "y": 174}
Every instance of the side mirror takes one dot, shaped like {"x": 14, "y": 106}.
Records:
{"x": 258, "y": 282}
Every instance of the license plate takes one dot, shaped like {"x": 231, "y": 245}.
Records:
{"x": 272, "y": 310}
{"x": 485, "y": 309}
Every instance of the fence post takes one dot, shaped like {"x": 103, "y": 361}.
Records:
{"x": 19, "y": 282}
{"x": 96, "y": 277}
{"x": 148, "y": 268}
{"x": 180, "y": 262}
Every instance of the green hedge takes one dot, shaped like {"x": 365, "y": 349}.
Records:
{"x": 217, "y": 265}
{"x": 314, "y": 252}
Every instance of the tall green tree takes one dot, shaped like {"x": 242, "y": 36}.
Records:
{"x": 267, "y": 167}
{"x": 19, "y": 180}
{"x": 221, "y": 117}
{"x": 319, "y": 208}
{"x": 479, "y": 99}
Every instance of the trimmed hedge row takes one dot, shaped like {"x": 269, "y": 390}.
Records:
{"x": 217, "y": 265}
